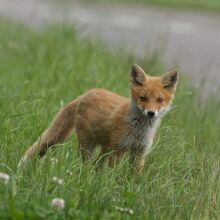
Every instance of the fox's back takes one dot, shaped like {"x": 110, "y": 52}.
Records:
{"x": 100, "y": 101}
{"x": 95, "y": 110}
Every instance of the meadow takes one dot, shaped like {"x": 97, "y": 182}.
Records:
{"x": 40, "y": 71}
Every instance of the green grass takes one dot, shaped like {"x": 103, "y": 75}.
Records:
{"x": 39, "y": 71}
{"x": 212, "y": 5}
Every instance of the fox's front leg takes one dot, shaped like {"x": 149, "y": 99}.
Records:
{"x": 138, "y": 163}
{"x": 110, "y": 156}
{"x": 137, "y": 158}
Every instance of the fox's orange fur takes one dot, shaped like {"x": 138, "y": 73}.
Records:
{"x": 116, "y": 123}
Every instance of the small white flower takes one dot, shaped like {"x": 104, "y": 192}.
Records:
{"x": 54, "y": 160}
{"x": 119, "y": 209}
{"x": 58, "y": 180}
{"x": 114, "y": 199}
{"x": 58, "y": 203}
{"x": 69, "y": 172}
{"x": 129, "y": 210}
{"x": 4, "y": 177}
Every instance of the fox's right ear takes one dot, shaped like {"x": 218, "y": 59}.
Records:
{"x": 137, "y": 75}
{"x": 170, "y": 79}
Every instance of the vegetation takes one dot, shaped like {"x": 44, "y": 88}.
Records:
{"x": 213, "y": 5}
{"x": 39, "y": 72}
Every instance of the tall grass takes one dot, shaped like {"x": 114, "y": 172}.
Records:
{"x": 41, "y": 71}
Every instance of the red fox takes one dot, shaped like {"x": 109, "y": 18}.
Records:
{"x": 118, "y": 124}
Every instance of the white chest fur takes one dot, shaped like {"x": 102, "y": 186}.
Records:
{"x": 141, "y": 133}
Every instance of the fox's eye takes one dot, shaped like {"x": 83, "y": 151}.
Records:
{"x": 159, "y": 99}
{"x": 143, "y": 98}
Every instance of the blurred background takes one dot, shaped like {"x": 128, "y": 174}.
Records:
{"x": 184, "y": 33}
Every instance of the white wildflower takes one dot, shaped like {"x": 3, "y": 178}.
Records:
{"x": 128, "y": 210}
{"x": 4, "y": 177}
{"x": 119, "y": 209}
{"x": 69, "y": 172}
{"x": 114, "y": 199}
{"x": 58, "y": 180}
{"x": 54, "y": 160}
{"x": 58, "y": 203}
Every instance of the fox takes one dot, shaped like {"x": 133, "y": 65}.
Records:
{"x": 115, "y": 123}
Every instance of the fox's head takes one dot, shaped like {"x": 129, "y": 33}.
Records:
{"x": 152, "y": 96}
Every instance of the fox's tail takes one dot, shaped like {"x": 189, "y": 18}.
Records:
{"x": 59, "y": 130}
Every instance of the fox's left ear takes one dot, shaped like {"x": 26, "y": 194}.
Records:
{"x": 169, "y": 79}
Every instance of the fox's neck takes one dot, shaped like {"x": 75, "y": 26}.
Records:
{"x": 137, "y": 119}
{"x": 141, "y": 128}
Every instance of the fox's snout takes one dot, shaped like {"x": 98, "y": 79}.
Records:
{"x": 151, "y": 114}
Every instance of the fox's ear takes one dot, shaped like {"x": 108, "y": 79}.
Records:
{"x": 170, "y": 79}
{"x": 137, "y": 75}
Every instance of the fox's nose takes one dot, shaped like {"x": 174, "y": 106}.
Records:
{"x": 151, "y": 113}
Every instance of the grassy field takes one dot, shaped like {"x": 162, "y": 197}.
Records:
{"x": 213, "y": 5}
{"x": 39, "y": 72}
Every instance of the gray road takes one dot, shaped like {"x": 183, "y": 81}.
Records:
{"x": 189, "y": 40}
